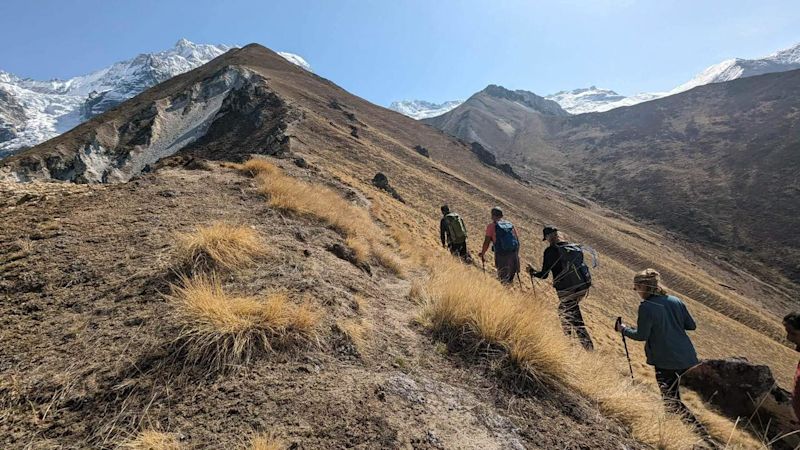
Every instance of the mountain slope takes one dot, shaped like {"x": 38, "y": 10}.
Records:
{"x": 717, "y": 164}
{"x": 44, "y": 109}
{"x": 86, "y": 268}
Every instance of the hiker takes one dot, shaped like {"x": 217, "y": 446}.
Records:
{"x": 571, "y": 279}
{"x": 792, "y": 325}
{"x": 502, "y": 234}
{"x": 453, "y": 234}
{"x": 662, "y": 323}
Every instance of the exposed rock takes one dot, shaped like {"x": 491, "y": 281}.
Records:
{"x": 422, "y": 151}
{"x": 739, "y": 388}
{"x": 489, "y": 159}
{"x": 381, "y": 181}
{"x": 346, "y": 253}
{"x": 733, "y": 385}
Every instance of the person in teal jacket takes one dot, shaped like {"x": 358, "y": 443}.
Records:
{"x": 662, "y": 324}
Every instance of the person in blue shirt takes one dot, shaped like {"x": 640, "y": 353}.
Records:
{"x": 662, "y": 324}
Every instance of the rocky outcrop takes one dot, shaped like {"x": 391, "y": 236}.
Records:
{"x": 489, "y": 159}
{"x": 232, "y": 101}
{"x": 734, "y": 385}
{"x": 739, "y": 388}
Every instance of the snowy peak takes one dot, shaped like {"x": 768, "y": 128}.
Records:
{"x": 584, "y": 100}
{"x": 731, "y": 69}
{"x": 296, "y": 60}
{"x": 420, "y": 109}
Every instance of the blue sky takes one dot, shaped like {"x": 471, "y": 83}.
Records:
{"x": 435, "y": 50}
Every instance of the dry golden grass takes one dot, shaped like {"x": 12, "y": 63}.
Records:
{"x": 220, "y": 330}
{"x": 478, "y": 310}
{"x": 359, "y": 247}
{"x": 289, "y": 194}
{"x": 152, "y": 440}
{"x": 387, "y": 258}
{"x": 266, "y": 441}
{"x": 219, "y": 246}
{"x": 720, "y": 426}
{"x": 257, "y": 166}
{"x": 356, "y": 331}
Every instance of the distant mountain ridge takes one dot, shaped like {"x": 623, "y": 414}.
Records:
{"x": 594, "y": 99}
{"x": 32, "y": 111}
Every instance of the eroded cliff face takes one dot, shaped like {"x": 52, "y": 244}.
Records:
{"x": 117, "y": 148}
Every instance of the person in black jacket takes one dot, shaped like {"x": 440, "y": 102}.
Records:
{"x": 570, "y": 290}
{"x": 450, "y": 240}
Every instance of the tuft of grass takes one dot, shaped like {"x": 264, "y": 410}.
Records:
{"x": 219, "y": 246}
{"x": 289, "y": 194}
{"x": 266, "y": 441}
{"x": 356, "y": 331}
{"x": 359, "y": 247}
{"x": 152, "y": 440}
{"x": 388, "y": 259}
{"x": 477, "y": 311}
{"x": 220, "y": 330}
{"x": 257, "y": 166}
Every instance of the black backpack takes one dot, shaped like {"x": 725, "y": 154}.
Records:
{"x": 574, "y": 271}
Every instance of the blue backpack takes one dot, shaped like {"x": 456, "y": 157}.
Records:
{"x": 505, "y": 241}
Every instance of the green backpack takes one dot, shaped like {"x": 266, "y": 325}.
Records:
{"x": 456, "y": 228}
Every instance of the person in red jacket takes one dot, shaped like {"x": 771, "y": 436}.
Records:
{"x": 792, "y": 325}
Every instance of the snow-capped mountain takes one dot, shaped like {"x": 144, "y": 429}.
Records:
{"x": 594, "y": 99}
{"x": 420, "y": 109}
{"x": 33, "y": 111}
{"x": 731, "y": 69}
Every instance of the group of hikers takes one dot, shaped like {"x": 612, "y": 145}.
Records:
{"x": 662, "y": 320}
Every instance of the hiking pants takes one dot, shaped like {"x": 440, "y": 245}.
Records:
{"x": 507, "y": 265}
{"x": 669, "y": 381}
{"x": 460, "y": 250}
{"x": 569, "y": 311}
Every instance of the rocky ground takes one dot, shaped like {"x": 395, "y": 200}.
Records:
{"x": 86, "y": 333}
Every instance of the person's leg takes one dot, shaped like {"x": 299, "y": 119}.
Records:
{"x": 504, "y": 273}
{"x": 669, "y": 382}
{"x": 461, "y": 251}
{"x": 578, "y": 323}
{"x": 564, "y": 311}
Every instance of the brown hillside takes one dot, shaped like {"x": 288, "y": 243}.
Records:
{"x": 325, "y": 336}
{"x": 717, "y": 164}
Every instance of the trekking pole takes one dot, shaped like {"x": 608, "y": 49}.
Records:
{"x": 625, "y": 344}
{"x": 483, "y": 265}
{"x": 520, "y": 281}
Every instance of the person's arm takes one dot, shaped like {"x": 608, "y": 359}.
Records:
{"x": 644, "y": 325}
{"x": 442, "y": 231}
{"x": 688, "y": 320}
{"x": 548, "y": 261}
{"x": 486, "y": 241}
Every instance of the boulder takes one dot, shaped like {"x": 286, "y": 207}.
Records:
{"x": 381, "y": 181}
{"x": 733, "y": 385}
{"x": 422, "y": 151}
